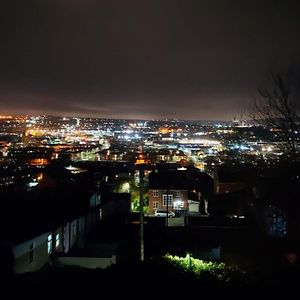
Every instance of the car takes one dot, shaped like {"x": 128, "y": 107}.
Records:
{"x": 163, "y": 213}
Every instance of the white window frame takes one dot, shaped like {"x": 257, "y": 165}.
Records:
{"x": 155, "y": 194}
{"x": 170, "y": 199}
{"x": 57, "y": 240}
{"x": 49, "y": 243}
{"x": 155, "y": 204}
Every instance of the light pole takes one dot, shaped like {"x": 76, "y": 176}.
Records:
{"x": 141, "y": 214}
{"x": 167, "y": 219}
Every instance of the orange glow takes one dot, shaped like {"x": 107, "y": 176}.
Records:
{"x": 200, "y": 165}
{"x": 140, "y": 161}
{"x": 40, "y": 176}
{"x": 38, "y": 162}
{"x": 276, "y": 130}
{"x": 165, "y": 130}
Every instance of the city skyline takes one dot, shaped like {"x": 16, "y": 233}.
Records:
{"x": 142, "y": 59}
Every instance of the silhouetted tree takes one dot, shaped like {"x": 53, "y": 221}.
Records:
{"x": 276, "y": 108}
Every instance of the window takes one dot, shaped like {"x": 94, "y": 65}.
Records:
{"x": 178, "y": 204}
{"x": 155, "y": 204}
{"x": 57, "y": 241}
{"x": 31, "y": 248}
{"x": 170, "y": 200}
{"x": 49, "y": 243}
{"x": 155, "y": 193}
{"x": 177, "y": 194}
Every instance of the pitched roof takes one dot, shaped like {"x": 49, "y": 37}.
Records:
{"x": 24, "y": 215}
{"x": 168, "y": 180}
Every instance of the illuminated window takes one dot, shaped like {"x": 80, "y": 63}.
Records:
{"x": 49, "y": 243}
{"x": 155, "y": 204}
{"x": 31, "y": 248}
{"x": 155, "y": 193}
{"x": 57, "y": 240}
{"x": 170, "y": 200}
{"x": 177, "y": 194}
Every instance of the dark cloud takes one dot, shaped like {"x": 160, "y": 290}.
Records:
{"x": 115, "y": 58}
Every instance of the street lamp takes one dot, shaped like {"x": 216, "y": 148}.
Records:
{"x": 141, "y": 177}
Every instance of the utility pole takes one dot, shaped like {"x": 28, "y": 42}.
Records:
{"x": 141, "y": 214}
{"x": 167, "y": 219}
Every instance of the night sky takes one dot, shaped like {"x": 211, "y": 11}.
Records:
{"x": 142, "y": 58}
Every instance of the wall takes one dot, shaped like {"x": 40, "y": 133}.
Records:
{"x": 194, "y": 206}
{"x": 57, "y": 247}
{"x": 66, "y": 237}
{"x": 73, "y": 233}
{"x": 86, "y": 262}
{"x": 81, "y": 232}
{"x": 22, "y": 262}
{"x": 183, "y": 197}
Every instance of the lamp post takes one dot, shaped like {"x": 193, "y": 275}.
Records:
{"x": 141, "y": 214}
{"x": 167, "y": 219}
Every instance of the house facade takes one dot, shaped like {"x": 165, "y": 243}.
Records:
{"x": 54, "y": 243}
{"x": 177, "y": 191}
{"x": 175, "y": 200}
{"x": 32, "y": 254}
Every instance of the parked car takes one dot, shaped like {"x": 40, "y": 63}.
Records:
{"x": 163, "y": 213}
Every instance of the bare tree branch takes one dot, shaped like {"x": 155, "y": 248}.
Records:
{"x": 275, "y": 108}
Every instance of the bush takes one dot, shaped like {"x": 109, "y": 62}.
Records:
{"x": 202, "y": 269}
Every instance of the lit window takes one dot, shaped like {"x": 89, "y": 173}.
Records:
{"x": 155, "y": 204}
{"x": 155, "y": 193}
{"x": 49, "y": 243}
{"x": 170, "y": 200}
{"x": 177, "y": 194}
{"x": 57, "y": 240}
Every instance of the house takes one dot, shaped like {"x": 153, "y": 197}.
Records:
{"x": 178, "y": 155}
{"x": 35, "y": 236}
{"x": 37, "y": 223}
{"x": 111, "y": 154}
{"x": 167, "y": 155}
{"x": 163, "y": 155}
{"x": 231, "y": 204}
{"x": 179, "y": 191}
{"x": 167, "y": 190}
{"x": 233, "y": 177}
{"x": 33, "y": 156}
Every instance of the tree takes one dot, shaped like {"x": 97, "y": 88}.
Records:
{"x": 128, "y": 185}
{"x": 276, "y": 109}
